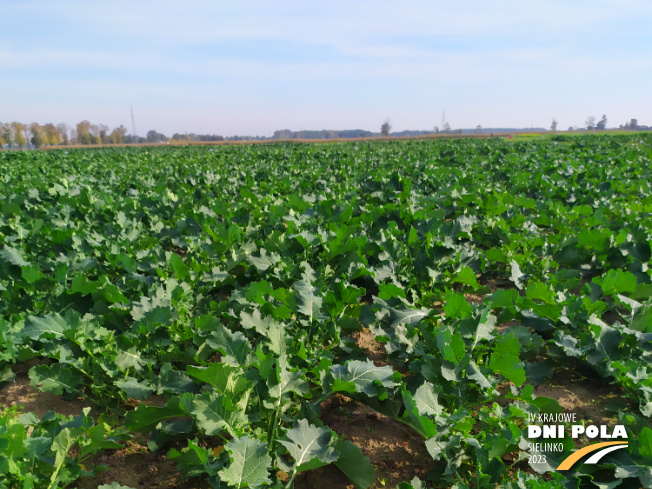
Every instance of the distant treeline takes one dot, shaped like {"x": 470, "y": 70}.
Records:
{"x": 16, "y": 135}
{"x": 360, "y": 133}
{"x": 34, "y": 135}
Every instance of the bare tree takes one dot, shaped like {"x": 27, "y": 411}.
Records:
{"x": 62, "y": 127}
{"x": 553, "y": 126}
{"x": 590, "y": 122}
{"x": 385, "y": 128}
{"x": 104, "y": 133}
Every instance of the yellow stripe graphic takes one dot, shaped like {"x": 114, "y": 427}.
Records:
{"x": 575, "y": 456}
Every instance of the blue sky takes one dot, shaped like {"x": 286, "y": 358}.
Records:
{"x": 251, "y": 67}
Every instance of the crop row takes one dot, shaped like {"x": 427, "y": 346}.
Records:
{"x": 230, "y": 281}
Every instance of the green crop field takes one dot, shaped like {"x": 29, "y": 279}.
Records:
{"x": 237, "y": 315}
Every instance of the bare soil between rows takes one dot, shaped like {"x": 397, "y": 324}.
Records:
{"x": 397, "y": 453}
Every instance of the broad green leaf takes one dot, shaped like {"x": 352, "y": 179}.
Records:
{"x": 234, "y": 346}
{"x": 250, "y": 464}
{"x": 413, "y": 236}
{"x": 36, "y": 446}
{"x": 451, "y": 346}
{"x": 306, "y": 442}
{"x": 31, "y": 274}
{"x": 411, "y": 317}
{"x": 6, "y": 374}
{"x": 411, "y": 416}
{"x": 145, "y": 418}
{"x": 13, "y": 256}
{"x": 288, "y": 382}
{"x": 53, "y": 326}
{"x": 537, "y": 373}
{"x": 181, "y": 270}
{"x": 308, "y": 303}
{"x": 474, "y": 373}
{"x": 61, "y": 445}
{"x": 607, "y": 341}
{"x": 509, "y": 366}
{"x": 503, "y": 298}
{"x": 642, "y": 320}
{"x": 255, "y": 321}
{"x": 228, "y": 381}
{"x": 616, "y": 282}
{"x": 196, "y": 461}
{"x": 153, "y": 319}
{"x": 467, "y": 277}
{"x": 57, "y": 378}
{"x": 113, "y": 294}
{"x": 136, "y": 389}
{"x": 540, "y": 291}
{"x": 517, "y": 277}
{"x": 426, "y": 399}
{"x": 456, "y": 306}
{"x": 265, "y": 260}
{"x": 174, "y": 381}
{"x": 505, "y": 361}
{"x": 215, "y": 413}
{"x": 362, "y": 377}
{"x": 415, "y": 483}
{"x": 160, "y": 297}
{"x": 389, "y": 291}
{"x": 131, "y": 358}
{"x": 259, "y": 292}
{"x": 645, "y": 443}
{"x": 485, "y": 328}
{"x": 355, "y": 466}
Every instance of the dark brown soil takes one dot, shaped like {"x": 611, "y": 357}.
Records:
{"x": 397, "y": 453}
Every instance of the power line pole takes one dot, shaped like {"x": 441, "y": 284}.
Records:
{"x": 133, "y": 122}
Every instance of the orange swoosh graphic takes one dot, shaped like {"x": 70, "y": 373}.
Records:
{"x": 575, "y": 456}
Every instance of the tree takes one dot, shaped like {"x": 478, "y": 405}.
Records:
{"x": 478, "y": 129}
{"x": 38, "y": 134}
{"x": 63, "y": 133}
{"x": 19, "y": 137}
{"x": 95, "y": 134}
{"x": 633, "y": 124}
{"x": 435, "y": 130}
{"x": 447, "y": 128}
{"x": 118, "y": 134}
{"x": 52, "y": 135}
{"x": 602, "y": 125}
{"x": 385, "y": 128}
{"x": 103, "y": 133}
{"x": 84, "y": 132}
{"x": 7, "y": 132}
{"x": 553, "y": 126}
{"x": 153, "y": 136}
{"x": 590, "y": 122}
